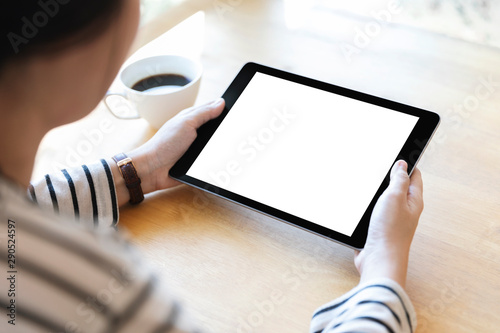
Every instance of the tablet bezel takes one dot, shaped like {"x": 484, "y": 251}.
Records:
{"x": 411, "y": 152}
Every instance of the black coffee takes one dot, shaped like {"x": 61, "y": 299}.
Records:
{"x": 161, "y": 80}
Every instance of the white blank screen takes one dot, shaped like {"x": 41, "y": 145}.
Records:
{"x": 310, "y": 153}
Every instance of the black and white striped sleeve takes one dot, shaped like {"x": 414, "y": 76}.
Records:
{"x": 86, "y": 194}
{"x": 378, "y": 306}
{"x": 79, "y": 279}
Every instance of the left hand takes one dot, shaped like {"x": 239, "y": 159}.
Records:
{"x": 154, "y": 159}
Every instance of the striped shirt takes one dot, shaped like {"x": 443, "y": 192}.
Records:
{"x": 85, "y": 194}
{"x": 68, "y": 277}
{"x": 378, "y": 306}
{"x": 85, "y": 276}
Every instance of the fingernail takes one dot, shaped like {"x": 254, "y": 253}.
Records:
{"x": 402, "y": 165}
{"x": 217, "y": 102}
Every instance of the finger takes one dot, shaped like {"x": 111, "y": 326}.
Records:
{"x": 399, "y": 177}
{"x": 416, "y": 183}
{"x": 416, "y": 189}
{"x": 196, "y": 107}
{"x": 199, "y": 115}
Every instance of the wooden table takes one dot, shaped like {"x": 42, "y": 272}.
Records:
{"x": 239, "y": 271}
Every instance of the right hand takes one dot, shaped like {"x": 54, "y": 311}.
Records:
{"x": 392, "y": 226}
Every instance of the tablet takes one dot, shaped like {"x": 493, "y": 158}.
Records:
{"x": 309, "y": 153}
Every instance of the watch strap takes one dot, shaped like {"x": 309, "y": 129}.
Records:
{"x": 129, "y": 174}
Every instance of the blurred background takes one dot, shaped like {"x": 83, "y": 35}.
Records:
{"x": 476, "y": 21}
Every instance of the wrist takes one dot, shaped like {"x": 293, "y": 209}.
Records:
{"x": 143, "y": 172}
{"x": 383, "y": 263}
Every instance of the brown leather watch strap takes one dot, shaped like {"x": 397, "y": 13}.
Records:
{"x": 132, "y": 180}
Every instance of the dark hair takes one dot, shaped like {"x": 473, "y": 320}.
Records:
{"x": 29, "y": 26}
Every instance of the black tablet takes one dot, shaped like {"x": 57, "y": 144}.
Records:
{"x": 305, "y": 152}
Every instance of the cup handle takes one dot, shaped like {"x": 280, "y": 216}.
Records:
{"x": 125, "y": 104}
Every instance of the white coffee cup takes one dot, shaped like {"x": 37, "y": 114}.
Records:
{"x": 159, "y": 104}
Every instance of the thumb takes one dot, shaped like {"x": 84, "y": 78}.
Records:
{"x": 198, "y": 116}
{"x": 400, "y": 181}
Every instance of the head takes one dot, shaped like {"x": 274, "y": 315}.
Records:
{"x": 58, "y": 57}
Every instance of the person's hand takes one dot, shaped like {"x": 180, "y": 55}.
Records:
{"x": 154, "y": 159}
{"x": 392, "y": 226}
